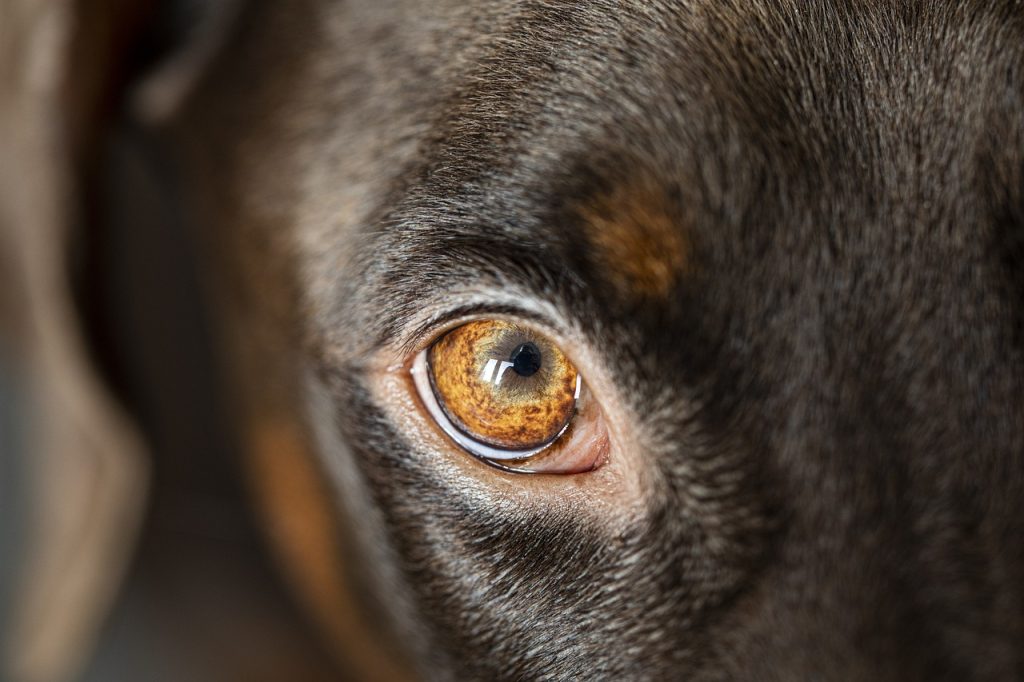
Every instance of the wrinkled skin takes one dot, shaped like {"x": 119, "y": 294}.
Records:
{"x": 816, "y": 382}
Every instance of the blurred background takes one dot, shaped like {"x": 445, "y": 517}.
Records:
{"x": 129, "y": 549}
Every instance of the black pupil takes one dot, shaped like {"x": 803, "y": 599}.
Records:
{"x": 525, "y": 360}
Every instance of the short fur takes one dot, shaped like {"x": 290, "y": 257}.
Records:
{"x": 828, "y": 364}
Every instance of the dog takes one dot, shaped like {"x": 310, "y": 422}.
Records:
{"x": 781, "y": 246}
{"x": 781, "y": 241}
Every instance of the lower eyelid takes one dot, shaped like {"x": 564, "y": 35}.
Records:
{"x": 584, "y": 448}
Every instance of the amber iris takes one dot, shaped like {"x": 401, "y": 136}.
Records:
{"x": 503, "y": 385}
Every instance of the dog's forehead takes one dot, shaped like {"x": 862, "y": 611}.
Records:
{"x": 628, "y": 143}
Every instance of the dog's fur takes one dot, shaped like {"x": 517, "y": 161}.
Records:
{"x": 791, "y": 234}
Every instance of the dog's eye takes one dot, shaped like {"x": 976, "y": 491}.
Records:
{"x": 501, "y": 391}
{"x": 503, "y": 386}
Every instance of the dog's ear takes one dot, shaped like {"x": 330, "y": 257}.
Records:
{"x": 74, "y": 467}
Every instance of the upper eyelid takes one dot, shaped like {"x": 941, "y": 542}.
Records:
{"x": 421, "y": 333}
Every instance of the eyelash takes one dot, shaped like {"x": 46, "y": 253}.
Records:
{"x": 425, "y": 332}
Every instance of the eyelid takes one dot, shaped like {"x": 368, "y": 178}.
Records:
{"x": 421, "y": 332}
{"x": 420, "y": 373}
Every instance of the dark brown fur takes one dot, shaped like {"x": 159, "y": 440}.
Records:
{"x": 814, "y": 304}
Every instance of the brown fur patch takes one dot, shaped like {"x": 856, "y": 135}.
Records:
{"x": 638, "y": 238}
{"x": 298, "y": 509}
